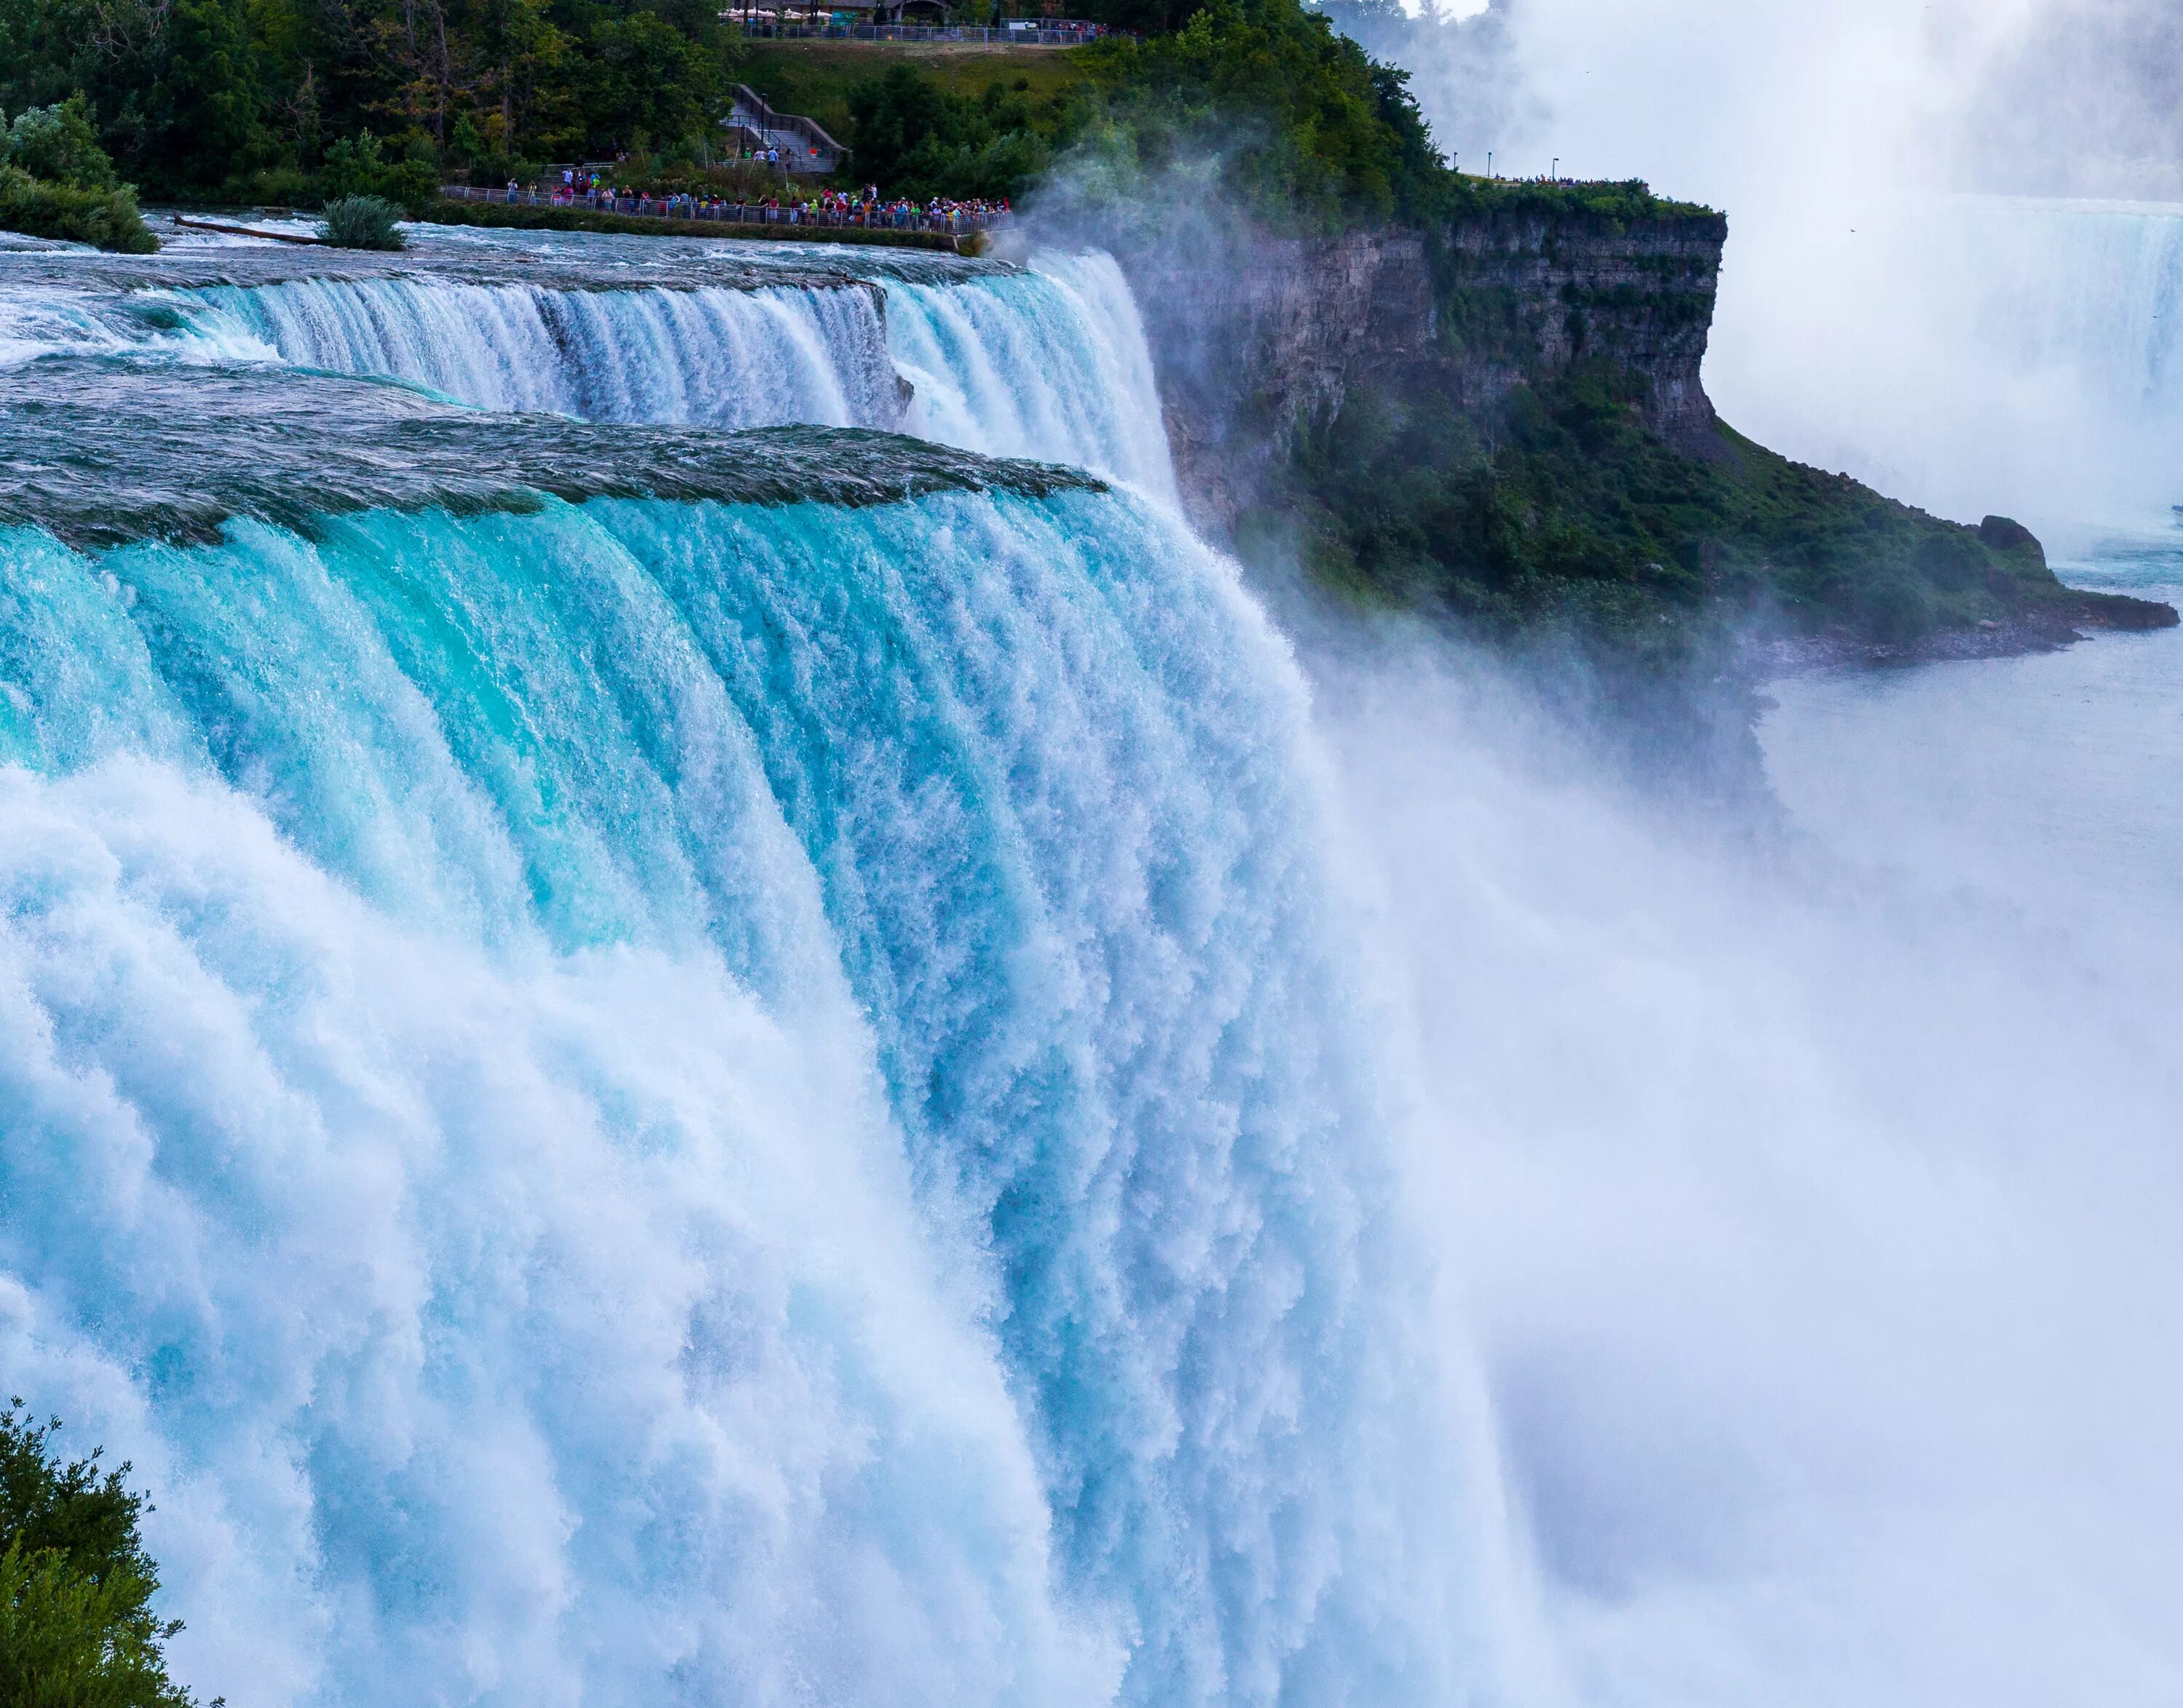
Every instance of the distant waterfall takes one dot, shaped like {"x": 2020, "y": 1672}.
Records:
{"x": 1971, "y": 353}
{"x": 2050, "y": 335}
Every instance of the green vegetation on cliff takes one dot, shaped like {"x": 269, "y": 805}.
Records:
{"x": 1562, "y": 508}
{"x": 1310, "y": 133}
{"x": 76, "y": 1625}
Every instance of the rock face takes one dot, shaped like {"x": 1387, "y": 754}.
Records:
{"x": 1251, "y": 345}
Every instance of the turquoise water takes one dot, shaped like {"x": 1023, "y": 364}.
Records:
{"x": 641, "y": 1064}
{"x": 1045, "y": 361}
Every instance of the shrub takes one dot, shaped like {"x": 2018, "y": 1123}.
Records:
{"x": 361, "y": 168}
{"x": 107, "y": 217}
{"x": 77, "y": 1626}
{"x": 362, "y": 222}
{"x": 58, "y": 143}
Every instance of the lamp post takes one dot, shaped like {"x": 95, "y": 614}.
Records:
{"x": 1489, "y": 163}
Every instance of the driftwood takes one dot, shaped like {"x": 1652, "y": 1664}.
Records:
{"x": 244, "y": 231}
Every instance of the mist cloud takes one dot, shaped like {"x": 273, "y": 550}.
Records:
{"x": 1815, "y": 1221}
{"x": 2086, "y": 101}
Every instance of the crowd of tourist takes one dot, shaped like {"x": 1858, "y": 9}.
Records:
{"x": 820, "y": 206}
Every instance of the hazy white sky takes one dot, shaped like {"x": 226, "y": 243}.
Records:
{"x": 1869, "y": 319}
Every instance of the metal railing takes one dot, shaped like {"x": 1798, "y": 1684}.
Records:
{"x": 711, "y": 210}
{"x": 820, "y": 153}
{"x": 1044, "y": 36}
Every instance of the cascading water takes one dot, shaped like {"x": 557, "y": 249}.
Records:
{"x": 724, "y": 358}
{"x": 1982, "y": 352}
{"x": 1045, "y": 361}
{"x": 750, "y": 1096}
{"x": 1049, "y": 362}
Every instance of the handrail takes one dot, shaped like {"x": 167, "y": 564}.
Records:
{"x": 728, "y": 212}
{"x": 1056, "y": 34}
{"x": 798, "y": 124}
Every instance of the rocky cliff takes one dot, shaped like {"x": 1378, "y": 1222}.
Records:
{"x": 1501, "y": 417}
{"x": 1255, "y": 343}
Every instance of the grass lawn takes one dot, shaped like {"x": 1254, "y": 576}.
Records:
{"x": 814, "y": 77}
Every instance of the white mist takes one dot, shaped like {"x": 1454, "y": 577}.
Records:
{"x": 1814, "y": 1220}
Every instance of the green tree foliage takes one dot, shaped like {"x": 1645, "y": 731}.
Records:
{"x": 358, "y": 168}
{"x": 58, "y": 143}
{"x": 76, "y": 1625}
{"x": 1313, "y": 131}
{"x": 255, "y": 99}
{"x": 56, "y": 181}
{"x": 646, "y": 82}
{"x": 244, "y": 99}
{"x": 915, "y": 139}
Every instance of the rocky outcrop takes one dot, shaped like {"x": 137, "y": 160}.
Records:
{"x": 1529, "y": 296}
{"x": 1252, "y": 344}
{"x": 1422, "y": 336}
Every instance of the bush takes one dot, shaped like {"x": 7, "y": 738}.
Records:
{"x": 57, "y": 144}
{"x": 77, "y": 1626}
{"x": 107, "y": 217}
{"x": 360, "y": 167}
{"x": 362, "y": 222}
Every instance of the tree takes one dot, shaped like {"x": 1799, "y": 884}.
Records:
{"x": 76, "y": 1625}
{"x": 523, "y": 53}
{"x": 57, "y": 144}
{"x": 919, "y": 141}
{"x": 649, "y": 83}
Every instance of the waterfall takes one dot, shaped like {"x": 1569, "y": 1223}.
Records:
{"x": 1982, "y": 353}
{"x": 1049, "y": 363}
{"x": 649, "y": 1101}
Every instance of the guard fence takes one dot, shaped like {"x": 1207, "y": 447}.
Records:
{"x": 1057, "y": 34}
{"x": 883, "y": 217}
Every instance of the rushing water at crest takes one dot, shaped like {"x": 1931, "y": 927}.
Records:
{"x": 726, "y": 357}
{"x": 1046, "y": 362}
